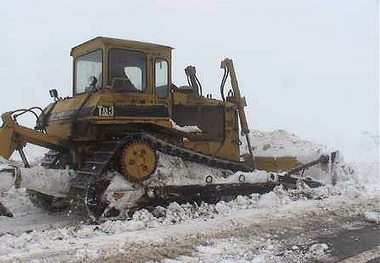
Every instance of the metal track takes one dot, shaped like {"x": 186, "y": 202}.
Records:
{"x": 86, "y": 178}
{"x": 190, "y": 155}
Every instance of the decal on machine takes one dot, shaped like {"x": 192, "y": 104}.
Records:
{"x": 57, "y": 116}
{"x": 106, "y": 111}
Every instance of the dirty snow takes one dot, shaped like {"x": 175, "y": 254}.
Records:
{"x": 372, "y": 216}
{"x": 81, "y": 242}
{"x": 253, "y": 250}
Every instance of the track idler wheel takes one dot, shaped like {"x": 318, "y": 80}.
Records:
{"x": 138, "y": 161}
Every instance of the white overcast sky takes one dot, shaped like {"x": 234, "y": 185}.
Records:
{"x": 306, "y": 66}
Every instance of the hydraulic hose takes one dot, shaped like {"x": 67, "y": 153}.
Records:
{"x": 223, "y": 83}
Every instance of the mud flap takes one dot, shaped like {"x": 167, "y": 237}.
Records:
{"x": 7, "y": 142}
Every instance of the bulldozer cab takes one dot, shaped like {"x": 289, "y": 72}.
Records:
{"x": 122, "y": 65}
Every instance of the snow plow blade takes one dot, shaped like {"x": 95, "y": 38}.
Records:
{"x": 213, "y": 193}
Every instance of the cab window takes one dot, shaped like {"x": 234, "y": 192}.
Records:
{"x": 161, "y": 71}
{"x": 86, "y": 68}
{"x": 127, "y": 70}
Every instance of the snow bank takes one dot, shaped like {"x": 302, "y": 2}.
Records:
{"x": 172, "y": 170}
{"x": 281, "y": 143}
{"x": 356, "y": 179}
{"x": 48, "y": 181}
{"x": 38, "y": 178}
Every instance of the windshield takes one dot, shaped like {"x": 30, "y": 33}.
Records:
{"x": 127, "y": 70}
{"x": 87, "y": 67}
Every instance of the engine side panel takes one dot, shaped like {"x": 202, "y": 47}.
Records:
{"x": 218, "y": 121}
{"x": 86, "y": 116}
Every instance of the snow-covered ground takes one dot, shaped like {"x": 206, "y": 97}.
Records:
{"x": 247, "y": 229}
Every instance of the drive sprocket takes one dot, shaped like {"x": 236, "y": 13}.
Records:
{"x": 138, "y": 160}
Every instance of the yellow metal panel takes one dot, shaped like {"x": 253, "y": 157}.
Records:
{"x": 100, "y": 42}
{"x": 275, "y": 164}
{"x": 7, "y": 143}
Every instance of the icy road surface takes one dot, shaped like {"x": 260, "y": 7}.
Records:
{"x": 289, "y": 233}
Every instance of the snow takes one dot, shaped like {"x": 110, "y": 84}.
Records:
{"x": 318, "y": 249}
{"x": 122, "y": 194}
{"x": 86, "y": 254}
{"x": 7, "y": 178}
{"x": 172, "y": 170}
{"x": 183, "y": 217}
{"x": 281, "y": 143}
{"x": 175, "y": 223}
{"x": 260, "y": 250}
{"x": 187, "y": 128}
{"x": 372, "y": 217}
{"x": 269, "y": 200}
{"x": 47, "y": 181}
{"x": 18, "y": 202}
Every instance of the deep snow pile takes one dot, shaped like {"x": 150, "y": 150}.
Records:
{"x": 281, "y": 143}
{"x": 16, "y": 200}
{"x": 172, "y": 170}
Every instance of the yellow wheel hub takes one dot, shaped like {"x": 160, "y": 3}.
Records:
{"x": 138, "y": 161}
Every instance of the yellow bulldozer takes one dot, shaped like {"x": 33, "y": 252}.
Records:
{"x": 124, "y": 111}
